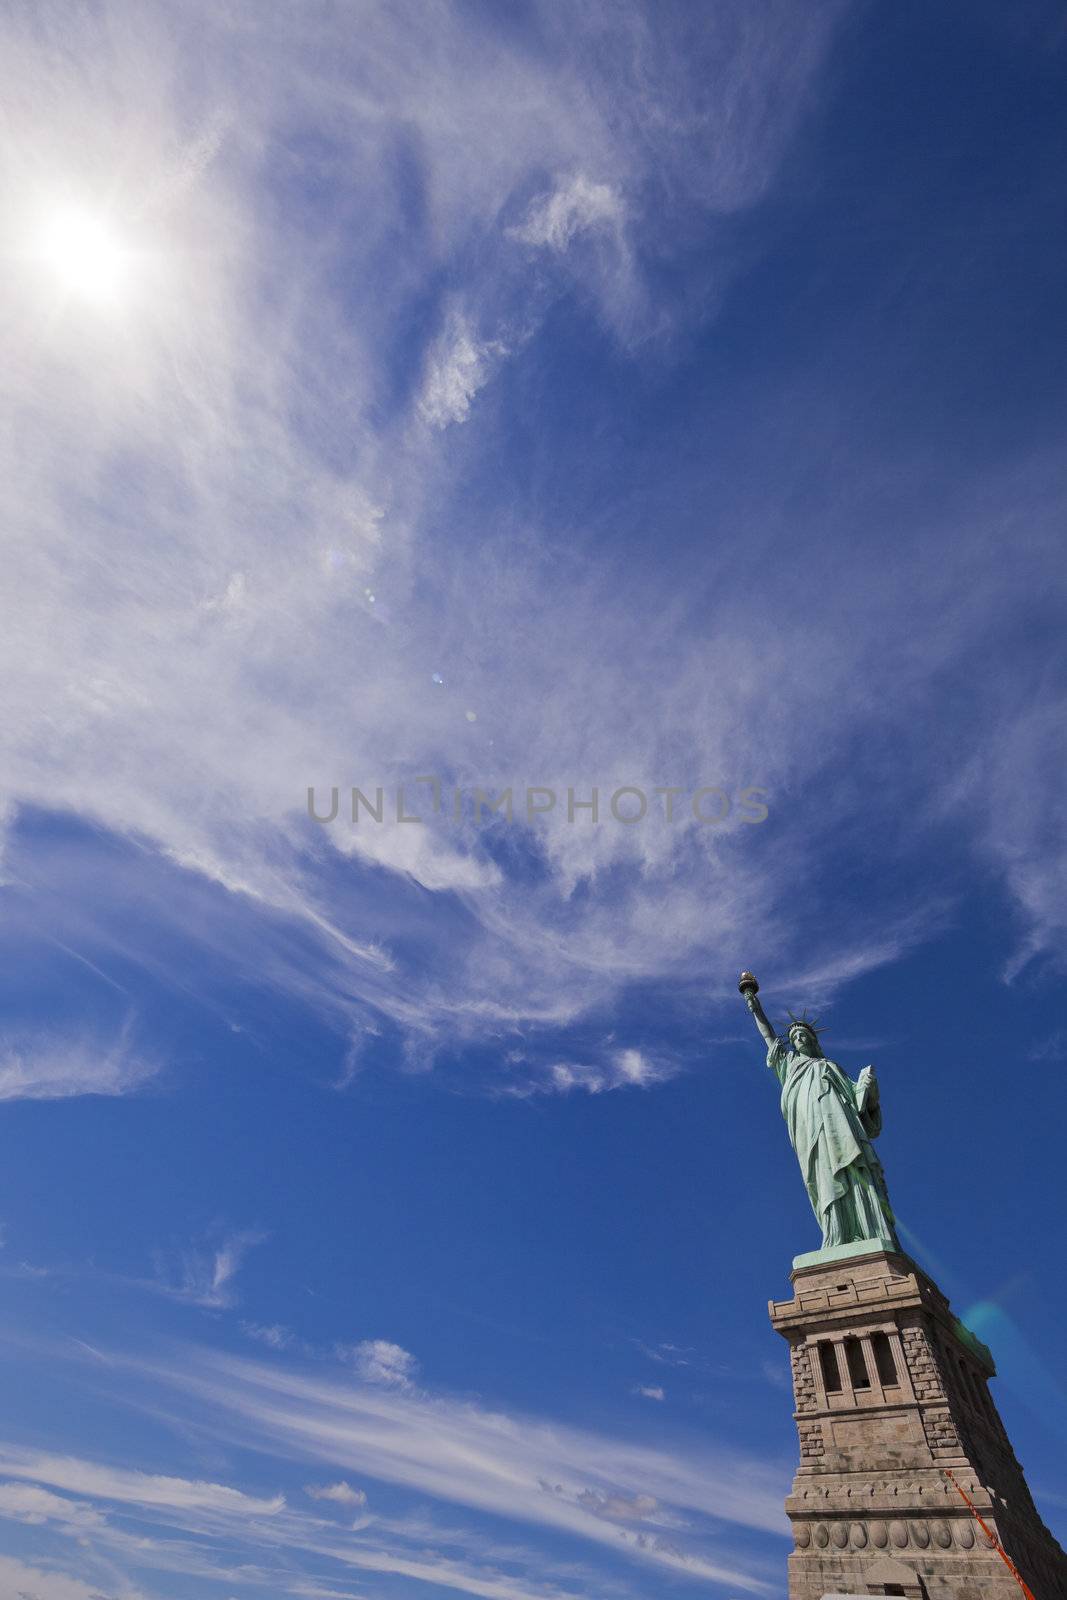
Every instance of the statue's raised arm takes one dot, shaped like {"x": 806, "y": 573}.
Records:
{"x": 750, "y": 989}
{"x": 831, "y": 1123}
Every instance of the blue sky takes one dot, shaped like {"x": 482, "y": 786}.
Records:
{"x": 533, "y": 397}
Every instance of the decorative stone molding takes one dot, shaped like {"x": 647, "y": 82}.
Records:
{"x": 902, "y": 1533}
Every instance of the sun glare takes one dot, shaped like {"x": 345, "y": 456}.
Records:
{"x": 88, "y": 259}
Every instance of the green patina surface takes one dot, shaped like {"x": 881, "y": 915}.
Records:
{"x": 842, "y": 1252}
{"x": 832, "y": 1124}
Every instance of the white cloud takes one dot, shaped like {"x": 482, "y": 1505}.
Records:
{"x": 100, "y": 1481}
{"x": 619, "y": 1069}
{"x": 343, "y": 1493}
{"x": 233, "y": 598}
{"x": 576, "y": 205}
{"x": 49, "y": 1066}
{"x": 272, "y": 1334}
{"x": 27, "y": 1502}
{"x": 650, "y": 1391}
{"x": 430, "y": 1567}
{"x": 458, "y": 365}
{"x": 633, "y": 1067}
{"x": 378, "y": 1361}
{"x": 21, "y": 1581}
{"x": 618, "y": 1507}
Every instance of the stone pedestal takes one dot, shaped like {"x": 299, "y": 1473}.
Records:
{"x": 890, "y": 1389}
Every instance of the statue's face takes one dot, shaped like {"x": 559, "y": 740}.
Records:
{"x": 803, "y": 1040}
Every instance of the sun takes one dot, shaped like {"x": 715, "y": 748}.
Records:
{"x": 86, "y": 256}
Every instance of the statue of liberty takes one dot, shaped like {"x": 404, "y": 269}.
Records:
{"x": 831, "y": 1123}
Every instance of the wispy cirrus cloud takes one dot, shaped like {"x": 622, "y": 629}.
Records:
{"x": 496, "y": 1473}
{"x": 121, "y": 1518}
{"x": 528, "y": 1470}
{"x": 1053, "y": 1047}
{"x": 203, "y": 1275}
{"x": 128, "y": 1487}
{"x": 317, "y": 519}
{"x": 249, "y": 495}
{"x": 48, "y": 1583}
{"x": 574, "y": 206}
{"x": 51, "y": 1066}
{"x": 28, "y": 1502}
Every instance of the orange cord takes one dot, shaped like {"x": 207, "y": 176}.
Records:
{"x": 991, "y": 1536}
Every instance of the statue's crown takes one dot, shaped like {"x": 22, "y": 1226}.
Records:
{"x": 811, "y": 1023}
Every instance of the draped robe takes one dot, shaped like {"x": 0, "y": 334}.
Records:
{"x": 831, "y": 1128}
